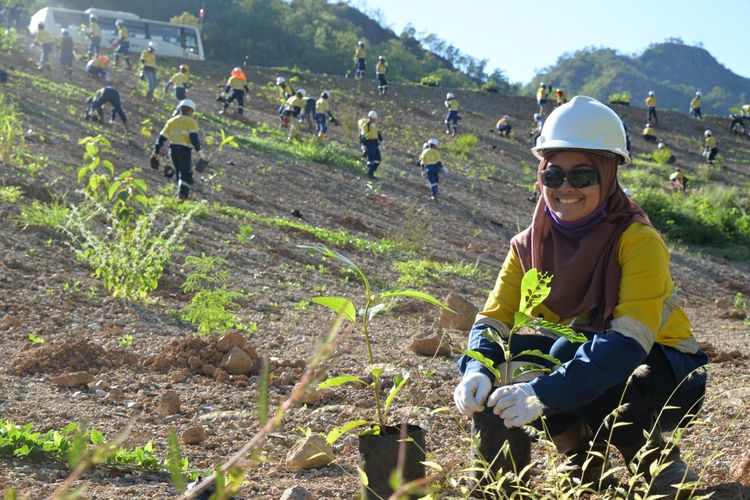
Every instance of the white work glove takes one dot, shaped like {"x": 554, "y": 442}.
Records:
{"x": 202, "y": 155}
{"x": 516, "y": 404}
{"x": 470, "y": 393}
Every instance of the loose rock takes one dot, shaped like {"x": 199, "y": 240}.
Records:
{"x": 194, "y": 435}
{"x": 169, "y": 404}
{"x": 237, "y": 362}
{"x": 310, "y": 453}
{"x": 74, "y": 379}
{"x": 430, "y": 343}
{"x": 462, "y": 318}
{"x": 297, "y": 493}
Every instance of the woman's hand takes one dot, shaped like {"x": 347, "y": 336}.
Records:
{"x": 516, "y": 404}
{"x": 471, "y": 392}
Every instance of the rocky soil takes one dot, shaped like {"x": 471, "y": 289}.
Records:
{"x": 207, "y": 388}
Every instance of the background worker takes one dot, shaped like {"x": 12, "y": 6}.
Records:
{"x": 651, "y": 105}
{"x": 541, "y": 97}
{"x": 237, "y": 89}
{"x": 66, "y": 53}
{"x": 639, "y": 370}
{"x": 182, "y": 132}
{"x": 369, "y": 139}
{"x": 537, "y": 130}
{"x": 504, "y": 126}
{"x": 122, "y": 44}
{"x": 292, "y": 109}
{"x": 285, "y": 92}
{"x": 97, "y": 67}
{"x": 678, "y": 180}
{"x": 94, "y": 32}
{"x": 451, "y": 117}
{"x": 710, "y": 149}
{"x": 148, "y": 68}
{"x": 664, "y": 154}
{"x": 323, "y": 113}
{"x": 649, "y": 134}
{"x": 560, "y": 98}
{"x": 106, "y": 95}
{"x": 695, "y": 106}
{"x": 431, "y": 165}
{"x": 181, "y": 82}
{"x": 359, "y": 60}
{"x": 46, "y": 43}
{"x": 381, "y": 68}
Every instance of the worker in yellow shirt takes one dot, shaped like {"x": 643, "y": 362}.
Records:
{"x": 236, "y": 89}
{"x": 664, "y": 154}
{"x": 370, "y": 139}
{"x": 97, "y": 67}
{"x": 504, "y": 126}
{"x": 292, "y": 109}
{"x": 737, "y": 127}
{"x": 710, "y": 149}
{"x": 431, "y": 165}
{"x": 381, "y": 68}
{"x": 541, "y": 97}
{"x": 651, "y": 105}
{"x": 181, "y": 82}
{"x": 678, "y": 180}
{"x": 451, "y": 117}
{"x": 323, "y": 114}
{"x": 649, "y": 134}
{"x": 285, "y": 92}
{"x": 359, "y": 60}
{"x": 94, "y": 32}
{"x": 148, "y": 70}
{"x": 46, "y": 42}
{"x": 122, "y": 44}
{"x": 695, "y": 106}
{"x": 182, "y": 132}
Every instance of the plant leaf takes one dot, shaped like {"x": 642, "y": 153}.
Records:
{"x": 563, "y": 330}
{"x": 336, "y": 433}
{"x": 371, "y": 312}
{"x": 338, "y": 305}
{"x": 486, "y": 362}
{"x": 415, "y": 294}
{"x": 362, "y": 476}
{"x": 534, "y": 289}
{"x": 433, "y": 465}
{"x": 538, "y": 354}
{"x": 341, "y": 380}
{"x": 398, "y": 383}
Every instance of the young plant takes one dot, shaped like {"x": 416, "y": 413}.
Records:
{"x": 534, "y": 289}
{"x": 373, "y": 303}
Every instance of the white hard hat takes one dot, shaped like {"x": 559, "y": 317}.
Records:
{"x": 152, "y": 45}
{"x": 698, "y": 93}
{"x": 660, "y": 145}
{"x": 707, "y": 133}
{"x": 361, "y": 42}
{"x": 433, "y": 142}
{"x": 541, "y": 84}
{"x": 119, "y": 21}
{"x": 651, "y": 92}
{"x": 537, "y": 116}
{"x": 325, "y": 93}
{"x": 583, "y": 123}
{"x": 64, "y": 31}
{"x": 92, "y": 16}
{"x": 373, "y": 115}
{"x": 425, "y": 145}
{"x": 381, "y": 58}
{"x": 449, "y": 95}
{"x": 280, "y": 80}
{"x": 301, "y": 92}
{"x": 187, "y": 103}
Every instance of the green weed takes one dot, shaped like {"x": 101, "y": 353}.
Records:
{"x": 10, "y": 194}
{"x": 417, "y": 272}
{"x": 52, "y": 214}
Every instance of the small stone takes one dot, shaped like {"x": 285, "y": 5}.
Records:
{"x": 169, "y": 404}
{"x": 177, "y": 377}
{"x": 100, "y": 393}
{"x": 10, "y": 320}
{"x": 237, "y": 362}
{"x": 231, "y": 339}
{"x": 221, "y": 375}
{"x": 463, "y": 316}
{"x": 310, "y": 453}
{"x": 74, "y": 379}
{"x": 194, "y": 435}
{"x": 430, "y": 343}
{"x": 297, "y": 493}
{"x": 116, "y": 394}
{"x": 208, "y": 370}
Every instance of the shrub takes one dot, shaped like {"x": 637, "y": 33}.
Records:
{"x": 430, "y": 81}
{"x": 619, "y": 98}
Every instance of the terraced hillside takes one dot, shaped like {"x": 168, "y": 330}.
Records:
{"x": 136, "y": 352}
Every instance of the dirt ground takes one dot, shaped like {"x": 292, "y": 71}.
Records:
{"x": 483, "y": 202}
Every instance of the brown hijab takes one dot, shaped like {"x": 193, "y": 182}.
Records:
{"x": 585, "y": 268}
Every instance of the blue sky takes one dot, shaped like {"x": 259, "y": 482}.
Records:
{"x": 523, "y": 36}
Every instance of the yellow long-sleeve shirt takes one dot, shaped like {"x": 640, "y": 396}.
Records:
{"x": 429, "y": 156}
{"x": 44, "y": 37}
{"x": 649, "y": 131}
{"x": 295, "y": 101}
{"x": 367, "y": 129}
{"x": 180, "y": 79}
{"x": 451, "y": 104}
{"x": 710, "y": 142}
{"x": 651, "y": 101}
{"x": 122, "y": 33}
{"x": 236, "y": 83}
{"x": 148, "y": 59}
{"x": 322, "y": 106}
{"x": 541, "y": 93}
{"x": 179, "y": 128}
{"x": 285, "y": 92}
{"x": 381, "y": 68}
{"x": 94, "y": 29}
{"x": 695, "y": 102}
{"x": 646, "y": 310}
{"x": 359, "y": 52}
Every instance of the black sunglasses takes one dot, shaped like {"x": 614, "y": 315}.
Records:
{"x": 553, "y": 177}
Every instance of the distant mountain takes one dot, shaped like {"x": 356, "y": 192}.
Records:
{"x": 673, "y": 70}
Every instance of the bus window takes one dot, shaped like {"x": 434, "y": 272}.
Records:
{"x": 136, "y": 29}
{"x": 69, "y": 20}
{"x": 161, "y": 32}
{"x": 190, "y": 40}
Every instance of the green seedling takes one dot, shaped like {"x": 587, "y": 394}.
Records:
{"x": 34, "y": 339}
{"x": 125, "y": 341}
{"x": 373, "y": 303}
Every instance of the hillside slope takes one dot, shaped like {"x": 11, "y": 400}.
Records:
{"x": 674, "y": 71}
{"x": 250, "y": 193}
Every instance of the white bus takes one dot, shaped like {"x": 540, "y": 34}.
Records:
{"x": 171, "y": 40}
